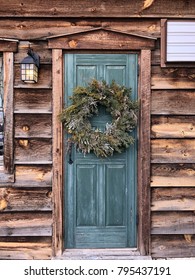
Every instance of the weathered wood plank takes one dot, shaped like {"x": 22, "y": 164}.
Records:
{"x": 33, "y": 99}
{"x": 25, "y": 248}
{"x": 20, "y": 199}
{"x": 173, "y": 127}
{"x": 176, "y": 102}
{"x": 36, "y": 125}
{"x": 173, "y": 223}
{"x": 44, "y": 79}
{"x": 8, "y": 60}
{"x": 102, "y": 39}
{"x": 173, "y": 175}
{"x": 99, "y": 8}
{"x": 31, "y": 29}
{"x": 173, "y": 199}
{"x": 26, "y": 224}
{"x": 33, "y": 150}
{"x": 33, "y": 176}
{"x": 172, "y": 150}
{"x": 57, "y": 75}
{"x": 144, "y": 154}
{"x": 173, "y": 246}
{"x": 172, "y": 78}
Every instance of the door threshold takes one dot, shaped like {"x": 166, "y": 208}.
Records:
{"x": 102, "y": 254}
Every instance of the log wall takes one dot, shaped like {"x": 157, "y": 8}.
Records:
{"x": 26, "y": 204}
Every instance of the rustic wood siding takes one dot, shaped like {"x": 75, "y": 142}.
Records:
{"x": 26, "y": 204}
{"x": 172, "y": 160}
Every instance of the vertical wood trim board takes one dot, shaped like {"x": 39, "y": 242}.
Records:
{"x": 8, "y": 61}
{"x": 57, "y": 77}
{"x": 144, "y": 153}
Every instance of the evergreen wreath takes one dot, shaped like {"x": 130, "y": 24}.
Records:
{"x": 85, "y": 103}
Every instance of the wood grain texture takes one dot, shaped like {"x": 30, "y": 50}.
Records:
{"x": 33, "y": 100}
{"x": 33, "y": 150}
{"x": 172, "y": 78}
{"x": 25, "y": 248}
{"x": 173, "y": 102}
{"x": 173, "y": 199}
{"x": 173, "y": 127}
{"x": 40, "y": 28}
{"x": 98, "y": 8}
{"x": 173, "y": 223}
{"x": 8, "y": 60}
{"x": 144, "y": 154}
{"x": 35, "y": 125}
{"x": 100, "y": 39}
{"x": 172, "y": 175}
{"x": 172, "y": 150}
{"x": 172, "y": 246}
{"x": 58, "y": 166}
{"x": 25, "y": 199}
{"x": 33, "y": 176}
{"x": 26, "y": 224}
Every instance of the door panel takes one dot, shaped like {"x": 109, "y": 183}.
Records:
{"x": 100, "y": 194}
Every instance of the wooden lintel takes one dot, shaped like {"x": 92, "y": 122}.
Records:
{"x": 8, "y": 46}
{"x": 103, "y": 39}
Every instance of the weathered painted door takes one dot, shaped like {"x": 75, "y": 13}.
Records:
{"x": 100, "y": 194}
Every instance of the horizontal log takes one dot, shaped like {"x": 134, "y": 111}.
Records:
{"x": 25, "y": 248}
{"x": 36, "y": 125}
{"x": 33, "y": 150}
{"x": 26, "y": 224}
{"x": 173, "y": 246}
{"x": 172, "y": 151}
{"x": 173, "y": 223}
{"x": 173, "y": 127}
{"x": 99, "y": 8}
{"x": 33, "y": 99}
{"x": 172, "y": 78}
{"x": 20, "y": 199}
{"x": 32, "y": 29}
{"x": 172, "y": 175}
{"x": 173, "y": 102}
{"x": 172, "y": 199}
{"x": 33, "y": 176}
{"x": 44, "y": 78}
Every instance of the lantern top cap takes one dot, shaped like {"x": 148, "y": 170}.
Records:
{"x": 32, "y": 58}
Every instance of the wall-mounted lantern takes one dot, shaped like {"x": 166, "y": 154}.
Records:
{"x": 30, "y": 67}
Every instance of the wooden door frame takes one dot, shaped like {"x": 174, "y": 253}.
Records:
{"x": 144, "y": 93}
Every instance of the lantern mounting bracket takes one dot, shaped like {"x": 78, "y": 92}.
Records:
{"x": 34, "y": 56}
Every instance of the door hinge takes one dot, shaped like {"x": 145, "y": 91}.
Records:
{"x": 137, "y": 219}
{"x": 138, "y": 69}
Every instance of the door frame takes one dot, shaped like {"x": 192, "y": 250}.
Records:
{"x": 143, "y": 168}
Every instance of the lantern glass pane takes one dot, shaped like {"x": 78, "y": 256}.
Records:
{"x": 29, "y": 73}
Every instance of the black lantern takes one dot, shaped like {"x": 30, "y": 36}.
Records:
{"x": 30, "y": 67}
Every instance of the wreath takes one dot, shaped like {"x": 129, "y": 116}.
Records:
{"x": 85, "y": 104}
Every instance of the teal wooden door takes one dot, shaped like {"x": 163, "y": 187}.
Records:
{"x": 100, "y": 194}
